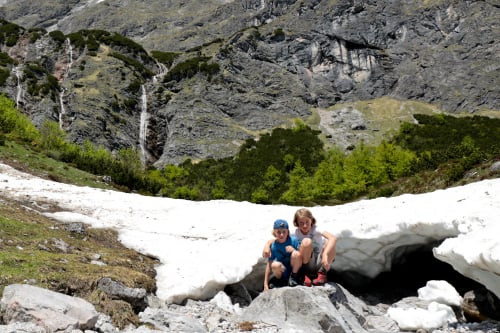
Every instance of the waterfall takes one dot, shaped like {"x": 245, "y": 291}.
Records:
{"x": 19, "y": 92}
{"x": 70, "y": 54}
{"x": 62, "y": 111}
{"x": 143, "y": 129}
{"x": 262, "y": 4}
{"x": 162, "y": 71}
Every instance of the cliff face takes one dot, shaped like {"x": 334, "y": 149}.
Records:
{"x": 275, "y": 61}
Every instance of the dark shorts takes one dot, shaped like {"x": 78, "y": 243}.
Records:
{"x": 312, "y": 267}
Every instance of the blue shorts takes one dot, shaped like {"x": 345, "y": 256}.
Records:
{"x": 287, "y": 269}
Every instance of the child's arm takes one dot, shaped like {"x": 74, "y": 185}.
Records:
{"x": 266, "y": 253}
{"x": 266, "y": 276}
{"x": 329, "y": 251}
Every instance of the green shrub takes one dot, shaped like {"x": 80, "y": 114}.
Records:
{"x": 57, "y": 36}
{"x": 52, "y": 137}
{"x": 92, "y": 44}
{"x": 442, "y": 134}
{"x": 300, "y": 186}
{"x": 185, "y": 192}
{"x": 14, "y": 124}
{"x": 190, "y": 68}
{"x": 166, "y": 58}
{"x": 5, "y": 59}
{"x": 4, "y": 75}
{"x": 133, "y": 64}
{"x": 260, "y": 196}
{"x": 35, "y": 35}
{"x": 10, "y": 33}
{"x": 77, "y": 40}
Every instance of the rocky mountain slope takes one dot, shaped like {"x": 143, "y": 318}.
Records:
{"x": 229, "y": 70}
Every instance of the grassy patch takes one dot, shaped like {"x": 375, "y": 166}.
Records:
{"x": 432, "y": 180}
{"x": 384, "y": 116}
{"x": 39, "y": 251}
{"x": 25, "y": 159}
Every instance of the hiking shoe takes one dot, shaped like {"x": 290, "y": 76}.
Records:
{"x": 321, "y": 279}
{"x": 294, "y": 280}
{"x": 307, "y": 281}
{"x": 277, "y": 283}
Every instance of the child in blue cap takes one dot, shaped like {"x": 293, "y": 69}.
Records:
{"x": 283, "y": 256}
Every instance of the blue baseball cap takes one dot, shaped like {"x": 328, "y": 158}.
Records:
{"x": 280, "y": 224}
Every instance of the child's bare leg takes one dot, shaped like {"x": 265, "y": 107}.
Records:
{"x": 296, "y": 261}
{"x": 328, "y": 253}
{"x": 277, "y": 268}
{"x": 306, "y": 250}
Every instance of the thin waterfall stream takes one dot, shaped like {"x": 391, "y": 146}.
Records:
{"x": 162, "y": 71}
{"x": 62, "y": 111}
{"x": 19, "y": 92}
{"x": 143, "y": 129}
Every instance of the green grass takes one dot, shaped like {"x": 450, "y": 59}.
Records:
{"x": 28, "y": 243}
{"x": 26, "y": 159}
{"x": 384, "y": 116}
{"x": 30, "y": 252}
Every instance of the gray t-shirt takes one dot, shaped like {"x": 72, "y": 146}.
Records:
{"x": 315, "y": 235}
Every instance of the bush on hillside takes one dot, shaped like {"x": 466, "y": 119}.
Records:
{"x": 15, "y": 125}
{"x": 190, "y": 68}
{"x": 166, "y": 58}
{"x": 439, "y": 138}
{"x": 9, "y": 33}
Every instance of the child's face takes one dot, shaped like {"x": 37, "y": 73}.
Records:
{"x": 305, "y": 224}
{"x": 281, "y": 235}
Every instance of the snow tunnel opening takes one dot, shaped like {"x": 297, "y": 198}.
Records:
{"x": 410, "y": 270}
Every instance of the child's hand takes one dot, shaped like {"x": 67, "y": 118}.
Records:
{"x": 289, "y": 249}
{"x": 325, "y": 263}
{"x": 266, "y": 253}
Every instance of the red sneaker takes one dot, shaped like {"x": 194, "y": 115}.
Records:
{"x": 307, "y": 281}
{"x": 321, "y": 279}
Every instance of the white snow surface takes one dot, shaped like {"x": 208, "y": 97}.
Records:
{"x": 436, "y": 315}
{"x": 204, "y": 246}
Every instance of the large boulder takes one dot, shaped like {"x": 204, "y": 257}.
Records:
{"x": 302, "y": 309}
{"x": 51, "y": 310}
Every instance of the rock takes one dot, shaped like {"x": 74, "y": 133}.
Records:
{"x": 495, "y": 167}
{"x": 60, "y": 245}
{"x": 104, "y": 324}
{"x": 321, "y": 309}
{"x": 327, "y": 52}
{"x": 118, "y": 291}
{"x": 168, "y": 321}
{"x": 381, "y": 323}
{"x": 239, "y": 294}
{"x": 224, "y": 302}
{"x": 54, "y": 311}
{"x": 75, "y": 227}
{"x": 481, "y": 304}
{"x": 22, "y": 328}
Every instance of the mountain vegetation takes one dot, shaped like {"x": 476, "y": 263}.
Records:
{"x": 288, "y": 166}
{"x": 199, "y": 86}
